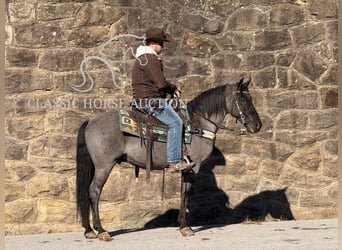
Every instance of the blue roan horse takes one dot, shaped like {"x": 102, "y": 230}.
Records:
{"x": 101, "y": 144}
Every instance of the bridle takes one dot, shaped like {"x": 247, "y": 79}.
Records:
{"x": 210, "y": 134}
{"x": 243, "y": 121}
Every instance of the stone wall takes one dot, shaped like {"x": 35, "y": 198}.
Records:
{"x": 287, "y": 47}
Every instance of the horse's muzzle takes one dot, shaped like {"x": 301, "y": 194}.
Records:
{"x": 253, "y": 128}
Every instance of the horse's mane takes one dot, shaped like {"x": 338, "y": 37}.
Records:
{"x": 209, "y": 102}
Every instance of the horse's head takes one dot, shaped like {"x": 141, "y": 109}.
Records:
{"x": 242, "y": 108}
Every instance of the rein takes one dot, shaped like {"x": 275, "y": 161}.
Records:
{"x": 220, "y": 126}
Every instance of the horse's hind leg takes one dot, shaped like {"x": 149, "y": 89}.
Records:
{"x": 95, "y": 190}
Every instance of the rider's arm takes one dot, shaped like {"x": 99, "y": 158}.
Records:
{"x": 155, "y": 72}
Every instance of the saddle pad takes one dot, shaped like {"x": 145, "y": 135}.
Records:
{"x": 133, "y": 122}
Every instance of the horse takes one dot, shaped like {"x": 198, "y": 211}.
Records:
{"x": 101, "y": 145}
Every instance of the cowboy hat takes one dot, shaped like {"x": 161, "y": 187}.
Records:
{"x": 158, "y": 35}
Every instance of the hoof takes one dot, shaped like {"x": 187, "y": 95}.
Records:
{"x": 187, "y": 231}
{"x": 90, "y": 235}
{"x": 104, "y": 236}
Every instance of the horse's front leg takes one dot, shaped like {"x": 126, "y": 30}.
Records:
{"x": 186, "y": 183}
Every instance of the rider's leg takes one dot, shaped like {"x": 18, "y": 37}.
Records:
{"x": 174, "y": 141}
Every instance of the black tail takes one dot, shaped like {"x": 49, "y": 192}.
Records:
{"x": 84, "y": 175}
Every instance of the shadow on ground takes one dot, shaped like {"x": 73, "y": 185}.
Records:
{"x": 209, "y": 205}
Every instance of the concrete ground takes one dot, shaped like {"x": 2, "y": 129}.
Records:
{"x": 303, "y": 235}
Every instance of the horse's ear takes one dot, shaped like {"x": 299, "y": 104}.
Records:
{"x": 244, "y": 87}
{"x": 248, "y": 82}
{"x": 239, "y": 85}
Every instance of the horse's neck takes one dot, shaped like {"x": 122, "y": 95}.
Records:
{"x": 210, "y": 123}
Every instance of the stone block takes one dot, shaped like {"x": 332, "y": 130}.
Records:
{"x": 257, "y": 61}
{"x": 329, "y": 97}
{"x": 228, "y": 144}
{"x": 324, "y": 49}
{"x": 285, "y": 58}
{"x": 61, "y": 60}
{"x": 72, "y": 120}
{"x": 245, "y": 19}
{"x": 245, "y": 183}
{"x": 15, "y": 150}
{"x": 175, "y": 67}
{"x": 21, "y": 211}
{"x": 300, "y": 138}
{"x": 288, "y": 78}
{"x": 202, "y": 24}
{"x": 191, "y": 86}
{"x": 21, "y": 57}
{"x": 296, "y": 177}
{"x": 51, "y": 12}
{"x": 333, "y": 191}
{"x": 287, "y": 14}
{"x": 14, "y": 190}
{"x": 198, "y": 46}
{"x": 19, "y": 171}
{"x": 63, "y": 147}
{"x": 98, "y": 15}
{"x": 330, "y": 77}
{"x": 40, "y": 35}
{"x": 292, "y": 119}
{"x": 308, "y": 34}
{"x": 22, "y": 13}
{"x": 86, "y": 36}
{"x": 56, "y": 211}
{"x": 226, "y": 61}
{"x": 321, "y": 9}
{"x": 330, "y": 166}
{"x": 270, "y": 169}
{"x": 67, "y": 79}
{"x": 331, "y": 147}
{"x": 323, "y": 119}
{"x": 270, "y": 40}
{"x": 291, "y": 100}
{"x": 315, "y": 198}
{"x": 40, "y": 146}
{"x": 46, "y": 165}
{"x": 308, "y": 158}
{"x": 332, "y": 30}
{"x": 25, "y": 127}
{"x": 27, "y": 80}
{"x": 236, "y": 41}
{"x": 265, "y": 78}
{"x": 198, "y": 66}
{"x": 234, "y": 166}
{"x": 252, "y": 164}
{"x": 261, "y": 149}
{"x": 53, "y": 121}
{"x": 47, "y": 185}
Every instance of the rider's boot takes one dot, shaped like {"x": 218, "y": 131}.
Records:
{"x": 181, "y": 165}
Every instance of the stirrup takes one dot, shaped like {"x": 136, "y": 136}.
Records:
{"x": 180, "y": 166}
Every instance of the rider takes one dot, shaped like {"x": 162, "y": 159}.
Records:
{"x": 150, "y": 89}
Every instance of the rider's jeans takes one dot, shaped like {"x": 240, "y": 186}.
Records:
{"x": 175, "y": 129}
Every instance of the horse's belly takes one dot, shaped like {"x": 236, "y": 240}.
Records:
{"x": 136, "y": 154}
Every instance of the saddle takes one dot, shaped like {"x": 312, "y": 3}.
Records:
{"x": 136, "y": 122}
